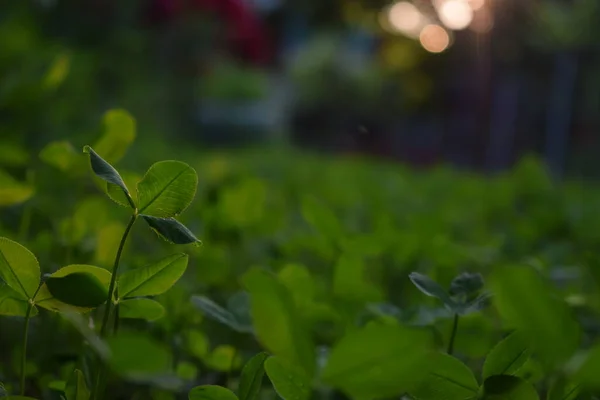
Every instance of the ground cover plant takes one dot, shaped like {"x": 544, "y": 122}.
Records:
{"x": 294, "y": 276}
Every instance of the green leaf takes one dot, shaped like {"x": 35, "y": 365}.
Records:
{"x": 277, "y": 323}
{"x": 350, "y": 280}
{"x": 449, "y": 379}
{"x": 431, "y": 288}
{"x": 107, "y": 172}
{"x": 154, "y": 279}
{"x": 18, "y": 398}
{"x": 19, "y": 268}
{"x": 59, "y": 154}
{"x": 479, "y": 303}
{"x": 528, "y": 303}
{"x": 321, "y": 218}
{"x": 171, "y": 230}
{"x": 138, "y": 357}
{"x": 79, "y": 289}
{"x": 561, "y": 389}
{"x": 12, "y": 304}
{"x": 76, "y": 388}
{"x": 378, "y": 361}
{"x": 252, "y": 377}
{"x": 119, "y": 133}
{"x": 211, "y": 392}
{"x": 12, "y": 191}
{"x": 218, "y": 313}
{"x": 57, "y": 72}
{"x": 587, "y": 373}
{"x": 466, "y": 284}
{"x": 117, "y": 195}
{"x": 197, "y": 344}
{"x": 141, "y": 308}
{"x": 46, "y": 300}
{"x": 223, "y": 358}
{"x": 508, "y": 387}
{"x": 167, "y": 188}
{"x": 507, "y": 356}
{"x": 187, "y": 370}
{"x": 289, "y": 381}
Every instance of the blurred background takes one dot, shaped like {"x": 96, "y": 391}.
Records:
{"x": 473, "y": 83}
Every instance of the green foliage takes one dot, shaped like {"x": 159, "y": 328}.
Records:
{"x": 251, "y": 377}
{"x": 507, "y": 356}
{"x": 289, "y": 381}
{"x": 448, "y": 378}
{"x": 107, "y": 172}
{"x": 277, "y": 323}
{"x": 218, "y": 313}
{"x": 508, "y": 387}
{"x": 171, "y": 230}
{"x": 166, "y": 189}
{"x": 141, "y": 308}
{"x": 71, "y": 295}
{"x": 138, "y": 357}
{"x": 155, "y": 279}
{"x": 19, "y": 268}
{"x": 211, "y": 392}
{"x": 527, "y": 302}
{"x": 378, "y": 361}
{"x": 80, "y": 289}
{"x": 76, "y": 388}
{"x": 12, "y": 191}
{"x": 302, "y": 278}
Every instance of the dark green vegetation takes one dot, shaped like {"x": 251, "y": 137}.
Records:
{"x": 314, "y": 278}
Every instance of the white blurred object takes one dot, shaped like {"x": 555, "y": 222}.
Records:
{"x": 455, "y": 14}
{"x": 405, "y": 18}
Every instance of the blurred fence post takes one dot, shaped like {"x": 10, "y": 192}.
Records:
{"x": 559, "y": 112}
{"x": 504, "y": 113}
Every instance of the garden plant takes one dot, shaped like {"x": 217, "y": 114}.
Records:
{"x": 308, "y": 278}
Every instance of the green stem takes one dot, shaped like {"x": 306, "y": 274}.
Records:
{"x": 25, "y": 337}
{"x": 453, "y": 334}
{"x": 116, "y": 319}
{"x": 113, "y": 279}
{"x": 111, "y": 289}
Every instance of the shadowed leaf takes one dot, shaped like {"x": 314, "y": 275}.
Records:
{"x": 171, "y": 230}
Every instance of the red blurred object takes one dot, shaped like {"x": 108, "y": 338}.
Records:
{"x": 245, "y": 31}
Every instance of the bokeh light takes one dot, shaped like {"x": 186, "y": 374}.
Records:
{"x": 434, "y": 38}
{"x": 455, "y": 14}
{"x": 476, "y": 4}
{"x": 406, "y": 18}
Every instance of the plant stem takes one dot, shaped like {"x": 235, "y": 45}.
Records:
{"x": 116, "y": 319}
{"x": 453, "y": 334}
{"x": 113, "y": 279}
{"x": 111, "y": 289}
{"x": 25, "y": 337}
